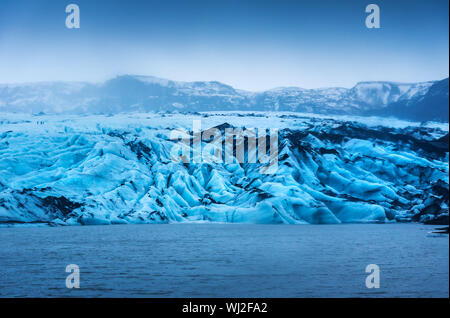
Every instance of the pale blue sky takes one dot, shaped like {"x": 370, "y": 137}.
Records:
{"x": 252, "y": 45}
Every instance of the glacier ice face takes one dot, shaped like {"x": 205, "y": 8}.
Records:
{"x": 71, "y": 170}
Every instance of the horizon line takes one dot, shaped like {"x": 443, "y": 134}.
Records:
{"x": 212, "y": 81}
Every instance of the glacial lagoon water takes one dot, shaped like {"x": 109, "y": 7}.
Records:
{"x": 225, "y": 260}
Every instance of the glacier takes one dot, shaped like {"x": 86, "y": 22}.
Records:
{"x": 116, "y": 169}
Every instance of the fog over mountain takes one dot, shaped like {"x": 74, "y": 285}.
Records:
{"x": 424, "y": 101}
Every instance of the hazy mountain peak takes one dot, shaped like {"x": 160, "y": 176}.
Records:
{"x": 126, "y": 93}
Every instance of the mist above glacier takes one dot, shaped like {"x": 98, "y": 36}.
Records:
{"x": 425, "y": 101}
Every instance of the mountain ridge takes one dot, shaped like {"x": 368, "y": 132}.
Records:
{"x": 148, "y": 93}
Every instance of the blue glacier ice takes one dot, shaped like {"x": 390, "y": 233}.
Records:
{"x": 116, "y": 169}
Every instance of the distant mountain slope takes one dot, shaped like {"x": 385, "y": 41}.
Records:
{"x": 417, "y": 101}
{"x": 433, "y": 105}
